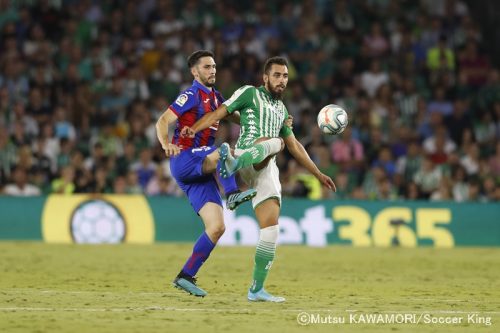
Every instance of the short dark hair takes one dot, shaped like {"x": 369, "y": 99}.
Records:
{"x": 195, "y": 57}
{"x": 272, "y": 61}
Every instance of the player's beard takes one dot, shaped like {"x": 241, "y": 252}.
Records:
{"x": 274, "y": 92}
{"x": 207, "y": 82}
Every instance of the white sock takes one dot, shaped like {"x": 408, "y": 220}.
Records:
{"x": 264, "y": 256}
{"x": 270, "y": 234}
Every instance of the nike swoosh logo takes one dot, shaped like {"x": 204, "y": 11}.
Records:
{"x": 206, "y": 101}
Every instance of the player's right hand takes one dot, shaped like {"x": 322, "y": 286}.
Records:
{"x": 171, "y": 150}
{"x": 327, "y": 181}
{"x": 187, "y": 132}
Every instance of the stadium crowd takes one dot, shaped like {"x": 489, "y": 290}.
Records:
{"x": 83, "y": 82}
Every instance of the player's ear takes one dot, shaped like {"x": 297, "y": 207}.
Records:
{"x": 265, "y": 78}
{"x": 193, "y": 71}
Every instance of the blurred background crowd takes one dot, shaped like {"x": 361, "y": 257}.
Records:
{"x": 82, "y": 84}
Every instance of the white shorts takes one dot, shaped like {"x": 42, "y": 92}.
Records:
{"x": 266, "y": 181}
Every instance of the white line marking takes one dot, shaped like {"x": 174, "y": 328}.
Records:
{"x": 232, "y": 310}
{"x": 235, "y": 296}
{"x": 219, "y": 294}
{"x": 82, "y": 292}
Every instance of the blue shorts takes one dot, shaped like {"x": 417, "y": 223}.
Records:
{"x": 187, "y": 169}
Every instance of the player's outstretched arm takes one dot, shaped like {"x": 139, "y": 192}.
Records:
{"x": 205, "y": 122}
{"x": 162, "y": 124}
{"x": 300, "y": 154}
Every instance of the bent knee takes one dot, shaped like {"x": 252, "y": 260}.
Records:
{"x": 216, "y": 231}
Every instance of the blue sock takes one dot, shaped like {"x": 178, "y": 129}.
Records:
{"x": 201, "y": 252}
{"x": 229, "y": 184}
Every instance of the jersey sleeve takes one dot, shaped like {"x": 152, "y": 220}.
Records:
{"x": 184, "y": 102}
{"x": 285, "y": 131}
{"x": 240, "y": 99}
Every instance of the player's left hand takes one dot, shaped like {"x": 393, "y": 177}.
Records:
{"x": 327, "y": 181}
{"x": 171, "y": 150}
{"x": 289, "y": 121}
{"x": 187, "y": 132}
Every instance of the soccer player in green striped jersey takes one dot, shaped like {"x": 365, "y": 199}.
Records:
{"x": 262, "y": 135}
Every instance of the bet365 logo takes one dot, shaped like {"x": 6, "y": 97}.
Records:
{"x": 348, "y": 224}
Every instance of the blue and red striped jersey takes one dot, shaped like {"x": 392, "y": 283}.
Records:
{"x": 192, "y": 104}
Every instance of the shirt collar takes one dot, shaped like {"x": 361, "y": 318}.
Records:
{"x": 202, "y": 87}
{"x": 267, "y": 93}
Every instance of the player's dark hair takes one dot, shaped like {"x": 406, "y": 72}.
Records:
{"x": 274, "y": 60}
{"x": 195, "y": 57}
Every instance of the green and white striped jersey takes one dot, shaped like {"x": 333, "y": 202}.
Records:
{"x": 260, "y": 115}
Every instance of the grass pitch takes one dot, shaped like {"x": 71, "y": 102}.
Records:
{"x": 127, "y": 288}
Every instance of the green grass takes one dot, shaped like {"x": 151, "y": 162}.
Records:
{"x": 127, "y": 288}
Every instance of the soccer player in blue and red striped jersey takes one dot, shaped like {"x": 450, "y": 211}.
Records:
{"x": 193, "y": 162}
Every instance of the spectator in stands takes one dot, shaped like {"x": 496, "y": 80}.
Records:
{"x": 29, "y": 124}
{"x": 407, "y": 102}
{"x": 375, "y": 42}
{"x": 408, "y": 165}
{"x": 65, "y": 183}
{"x": 443, "y": 192}
{"x": 489, "y": 188}
{"x": 114, "y": 103}
{"x": 98, "y": 74}
{"x": 458, "y": 122}
{"x": 20, "y": 185}
{"x": 495, "y": 163}
{"x": 96, "y": 159}
{"x": 120, "y": 185}
{"x": 473, "y": 65}
{"x": 133, "y": 185}
{"x": 344, "y": 186}
{"x": 471, "y": 160}
{"x": 475, "y": 191}
{"x": 440, "y": 59}
{"x": 496, "y": 112}
{"x": 125, "y": 161}
{"x": 412, "y": 191}
{"x": 145, "y": 168}
{"x": 439, "y": 143}
{"x": 372, "y": 180}
{"x": 153, "y": 186}
{"x": 386, "y": 162}
{"x": 440, "y": 104}
{"x": 484, "y": 130}
{"x": 100, "y": 184}
{"x": 372, "y": 79}
{"x": 324, "y": 161}
{"x": 348, "y": 152}
{"x": 428, "y": 177}
{"x": 63, "y": 129}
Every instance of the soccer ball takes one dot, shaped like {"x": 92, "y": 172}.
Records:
{"x": 97, "y": 221}
{"x": 332, "y": 119}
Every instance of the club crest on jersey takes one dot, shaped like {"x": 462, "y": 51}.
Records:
{"x": 181, "y": 100}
